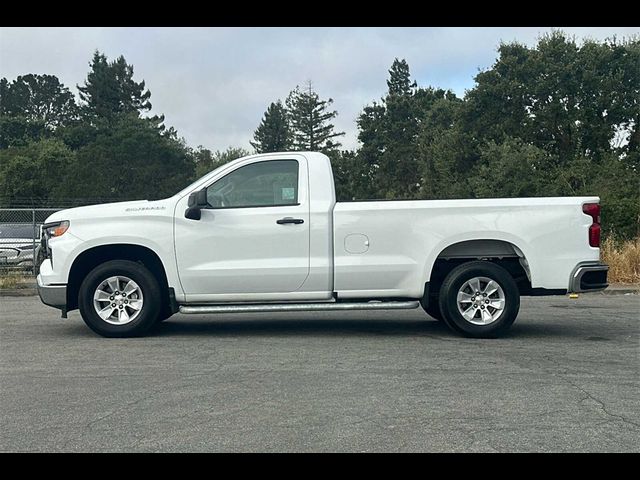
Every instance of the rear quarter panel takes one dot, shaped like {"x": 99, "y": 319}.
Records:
{"x": 406, "y": 237}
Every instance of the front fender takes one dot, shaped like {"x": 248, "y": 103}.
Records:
{"x": 152, "y": 232}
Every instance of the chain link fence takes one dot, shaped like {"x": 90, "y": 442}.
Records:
{"x": 20, "y": 234}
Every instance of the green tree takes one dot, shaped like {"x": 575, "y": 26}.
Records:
{"x": 565, "y": 98}
{"x": 613, "y": 180}
{"x": 131, "y": 160}
{"x": 18, "y": 131}
{"x": 443, "y": 165}
{"x": 353, "y": 177}
{"x": 399, "y": 82}
{"x": 390, "y": 133}
{"x": 516, "y": 167}
{"x": 206, "y": 161}
{"x": 77, "y": 134}
{"x": 40, "y": 99}
{"x": 274, "y": 133}
{"x": 311, "y": 121}
{"x": 33, "y": 174}
{"x": 371, "y": 125}
{"x": 4, "y": 91}
{"x": 398, "y": 163}
{"x": 446, "y": 153}
{"x": 618, "y": 186}
{"x": 110, "y": 90}
{"x": 32, "y": 107}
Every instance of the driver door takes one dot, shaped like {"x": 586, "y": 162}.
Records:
{"x": 252, "y": 240}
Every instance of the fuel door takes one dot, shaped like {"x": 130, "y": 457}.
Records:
{"x": 356, "y": 243}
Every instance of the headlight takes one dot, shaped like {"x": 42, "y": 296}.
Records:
{"x": 55, "y": 229}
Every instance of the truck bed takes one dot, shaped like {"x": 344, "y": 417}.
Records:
{"x": 388, "y": 248}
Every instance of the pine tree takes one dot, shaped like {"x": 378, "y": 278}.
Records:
{"x": 399, "y": 82}
{"x": 273, "y": 134}
{"x": 311, "y": 121}
{"x": 388, "y": 134}
{"x": 110, "y": 90}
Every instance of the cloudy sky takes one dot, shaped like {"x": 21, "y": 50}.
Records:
{"x": 213, "y": 84}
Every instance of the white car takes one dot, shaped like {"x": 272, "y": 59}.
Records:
{"x": 265, "y": 233}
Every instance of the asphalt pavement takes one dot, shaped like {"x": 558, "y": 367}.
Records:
{"x": 566, "y": 378}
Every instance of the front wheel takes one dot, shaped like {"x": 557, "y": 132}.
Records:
{"x": 479, "y": 299}
{"x": 119, "y": 298}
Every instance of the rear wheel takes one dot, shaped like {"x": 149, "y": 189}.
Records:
{"x": 119, "y": 298}
{"x": 479, "y": 299}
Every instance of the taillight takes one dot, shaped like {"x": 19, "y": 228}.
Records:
{"x": 593, "y": 210}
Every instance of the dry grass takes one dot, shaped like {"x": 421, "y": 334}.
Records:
{"x": 623, "y": 259}
{"x": 11, "y": 280}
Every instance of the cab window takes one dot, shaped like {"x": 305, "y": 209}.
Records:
{"x": 270, "y": 183}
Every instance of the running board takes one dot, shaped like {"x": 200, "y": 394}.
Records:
{"x": 299, "y": 307}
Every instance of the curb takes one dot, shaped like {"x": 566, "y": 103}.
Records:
{"x": 615, "y": 291}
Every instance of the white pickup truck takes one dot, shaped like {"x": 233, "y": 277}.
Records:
{"x": 265, "y": 233}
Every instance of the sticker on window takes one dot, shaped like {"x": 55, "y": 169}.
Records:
{"x": 288, "y": 193}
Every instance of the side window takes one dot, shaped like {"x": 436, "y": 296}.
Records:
{"x": 262, "y": 184}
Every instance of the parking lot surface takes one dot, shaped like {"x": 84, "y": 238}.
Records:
{"x": 566, "y": 378}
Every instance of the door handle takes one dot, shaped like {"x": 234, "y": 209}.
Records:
{"x": 285, "y": 220}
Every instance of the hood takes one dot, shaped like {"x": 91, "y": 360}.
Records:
{"x": 110, "y": 209}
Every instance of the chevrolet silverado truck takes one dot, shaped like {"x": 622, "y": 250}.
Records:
{"x": 264, "y": 233}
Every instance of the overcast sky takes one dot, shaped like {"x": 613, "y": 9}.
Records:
{"x": 214, "y": 84}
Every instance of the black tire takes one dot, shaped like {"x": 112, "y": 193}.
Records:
{"x": 449, "y": 304}
{"x": 152, "y": 299}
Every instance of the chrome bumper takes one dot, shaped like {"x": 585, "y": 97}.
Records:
{"x": 53, "y": 295}
{"x": 589, "y": 277}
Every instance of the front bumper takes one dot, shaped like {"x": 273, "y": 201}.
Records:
{"x": 53, "y": 295}
{"x": 589, "y": 277}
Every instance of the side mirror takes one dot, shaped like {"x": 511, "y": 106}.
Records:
{"x": 193, "y": 213}
{"x": 197, "y": 201}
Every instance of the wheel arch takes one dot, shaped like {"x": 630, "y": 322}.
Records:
{"x": 94, "y": 256}
{"x": 503, "y": 252}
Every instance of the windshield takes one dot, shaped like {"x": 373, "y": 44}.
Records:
{"x": 19, "y": 231}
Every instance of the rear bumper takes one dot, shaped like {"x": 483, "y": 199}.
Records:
{"x": 52, "y": 295}
{"x": 589, "y": 277}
